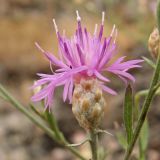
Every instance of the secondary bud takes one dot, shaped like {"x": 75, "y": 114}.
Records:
{"x": 153, "y": 42}
{"x": 88, "y": 103}
{"x": 36, "y": 89}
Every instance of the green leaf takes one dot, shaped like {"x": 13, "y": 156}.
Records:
{"x": 128, "y": 113}
{"x": 122, "y": 140}
{"x": 102, "y": 153}
{"x": 144, "y": 135}
{"x": 150, "y": 62}
{"x": 53, "y": 124}
{"x": 143, "y": 141}
{"x": 37, "y": 121}
{"x": 79, "y": 144}
{"x": 25, "y": 111}
{"x": 33, "y": 108}
{"x": 3, "y": 96}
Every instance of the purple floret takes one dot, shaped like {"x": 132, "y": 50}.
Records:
{"x": 84, "y": 55}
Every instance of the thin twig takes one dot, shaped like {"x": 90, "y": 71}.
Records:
{"x": 93, "y": 144}
{"x": 37, "y": 121}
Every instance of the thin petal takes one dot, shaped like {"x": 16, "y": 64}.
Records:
{"x": 124, "y": 74}
{"x": 109, "y": 90}
{"x": 106, "y": 57}
{"x": 101, "y": 77}
{"x": 51, "y": 57}
{"x": 81, "y": 56}
{"x": 65, "y": 91}
{"x": 70, "y": 91}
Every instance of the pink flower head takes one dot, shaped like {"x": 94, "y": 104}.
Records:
{"x": 84, "y": 55}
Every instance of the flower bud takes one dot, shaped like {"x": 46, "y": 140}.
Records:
{"x": 88, "y": 103}
{"x": 153, "y": 42}
{"x": 36, "y": 89}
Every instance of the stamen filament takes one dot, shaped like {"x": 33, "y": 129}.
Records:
{"x": 95, "y": 29}
{"x": 116, "y": 33}
{"x": 55, "y": 25}
{"x": 78, "y": 17}
{"x": 113, "y": 30}
{"x": 103, "y": 16}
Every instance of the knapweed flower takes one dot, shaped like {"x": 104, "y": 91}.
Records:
{"x": 82, "y": 60}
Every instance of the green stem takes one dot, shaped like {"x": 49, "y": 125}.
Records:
{"x": 33, "y": 108}
{"x": 138, "y": 96}
{"x": 52, "y": 122}
{"x": 141, "y": 152}
{"x": 26, "y": 112}
{"x": 137, "y": 100}
{"x": 145, "y": 109}
{"x": 146, "y": 105}
{"x": 93, "y": 144}
{"x": 37, "y": 121}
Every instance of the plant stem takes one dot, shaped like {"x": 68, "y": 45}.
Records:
{"x": 25, "y": 111}
{"x": 52, "y": 122}
{"x": 136, "y": 102}
{"x": 37, "y": 121}
{"x": 141, "y": 152}
{"x": 137, "y": 99}
{"x": 93, "y": 144}
{"x": 145, "y": 109}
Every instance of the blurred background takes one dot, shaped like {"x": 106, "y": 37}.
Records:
{"x": 22, "y": 22}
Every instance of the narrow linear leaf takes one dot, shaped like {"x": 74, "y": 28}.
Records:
{"x": 122, "y": 140}
{"x": 143, "y": 141}
{"x": 3, "y": 97}
{"x": 53, "y": 124}
{"x": 37, "y": 121}
{"x": 79, "y": 144}
{"x": 23, "y": 109}
{"x": 102, "y": 153}
{"x": 33, "y": 108}
{"x": 128, "y": 113}
{"x": 144, "y": 136}
{"x": 150, "y": 62}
